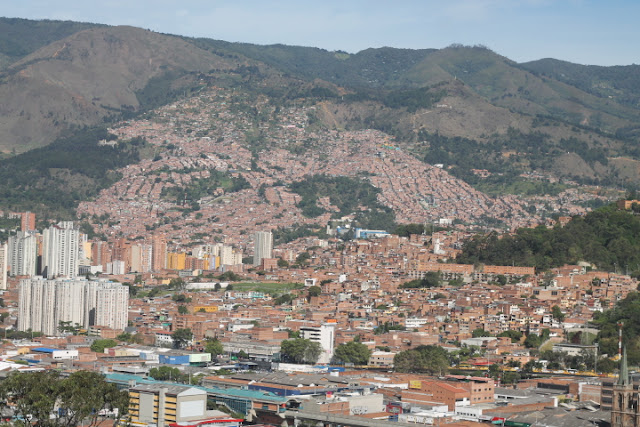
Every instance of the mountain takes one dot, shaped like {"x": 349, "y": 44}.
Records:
{"x": 621, "y": 83}
{"x": 92, "y": 75}
{"x": 530, "y": 129}
{"x": 20, "y": 37}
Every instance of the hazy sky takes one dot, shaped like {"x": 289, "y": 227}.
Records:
{"x": 602, "y": 32}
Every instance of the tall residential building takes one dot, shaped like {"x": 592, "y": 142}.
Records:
{"x": 101, "y": 254}
{"x": 226, "y": 255}
{"x": 37, "y": 306}
{"x": 112, "y": 305}
{"x": 44, "y": 303}
{"x": 27, "y": 221}
{"x": 140, "y": 258}
{"x": 61, "y": 250}
{"x": 263, "y": 246}
{"x": 70, "y": 295}
{"x": 159, "y": 248}
{"x": 23, "y": 252}
{"x": 4, "y": 257}
{"x": 122, "y": 252}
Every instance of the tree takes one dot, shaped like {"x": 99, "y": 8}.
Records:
{"x": 532, "y": 341}
{"x": 66, "y": 326}
{"x": 431, "y": 279}
{"x": 427, "y": 359}
{"x": 83, "y": 398}
{"x": 229, "y": 276}
{"x": 303, "y": 258}
{"x": 127, "y": 337}
{"x": 480, "y": 333}
{"x": 181, "y": 337}
{"x": 177, "y": 283}
{"x": 352, "y": 352}
{"x": 515, "y": 336}
{"x": 182, "y": 309}
{"x": 167, "y": 373}
{"x": 180, "y": 298}
{"x": 214, "y": 347}
{"x": 314, "y": 291}
{"x": 300, "y": 350}
{"x": 242, "y": 354}
{"x": 84, "y": 395}
{"x": 31, "y": 394}
{"x": 99, "y": 345}
{"x": 495, "y": 370}
{"x": 386, "y": 327}
{"x": 557, "y": 313}
{"x": 293, "y": 334}
{"x": 283, "y": 299}
{"x": 282, "y": 263}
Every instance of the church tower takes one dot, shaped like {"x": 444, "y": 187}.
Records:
{"x": 624, "y": 410}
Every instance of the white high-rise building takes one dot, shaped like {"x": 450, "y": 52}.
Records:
{"x": 61, "y": 250}
{"x": 112, "y": 305}
{"x": 23, "y": 252}
{"x": 70, "y": 302}
{"x": 263, "y": 246}
{"x": 37, "y": 306}
{"x": 4, "y": 257}
{"x": 106, "y": 304}
{"x": 43, "y": 304}
{"x": 226, "y": 255}
{"x": 323, "y": 335}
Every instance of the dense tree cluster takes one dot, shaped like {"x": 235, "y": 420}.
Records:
{"x": 181, "y": 337}
{"x": 426, "y": 359}
{"x": 607, "y": 237}
{"x": 348, "y": 195}
{"x": 431, "y": 279}
{"x": 352, "y": 352}
{"x": 627, "y": 312}
{"x": 100, "y": 345}
{"x": 49, "y": 400}
{"x": 213, "y": 346}
{"x": 201, "y": 187}
{"x": 300, "y": 350}
{"x": 283, "y": 235}
{"x": 54, "y": 178}
{"x": 536, "y": 151}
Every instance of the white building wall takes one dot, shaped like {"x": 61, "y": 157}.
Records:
{"x": 112, "y": 306}
{"x": 61, "y": 250}
{"x": 324, "y": 335}
{"x": 70, "y": 301}
{"x": 263, "y": 246}
{"x": 22, "y": 254}
{"x": 4, "y": 257}
{"x": 43, "y": 304}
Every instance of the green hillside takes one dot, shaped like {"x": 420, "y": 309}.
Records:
{"x": 51, "y": 180}
{"x": 20, "y": 37}
{"x": 607, "y": 237}
{"x": 621, "y": 83}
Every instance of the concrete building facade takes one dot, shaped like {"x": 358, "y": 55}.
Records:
{"x": 263, "y": 246}
{"x": 43, "y": 304}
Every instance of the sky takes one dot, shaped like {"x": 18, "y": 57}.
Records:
{"x": 593, "y": 32}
